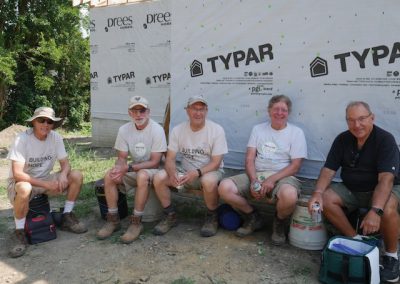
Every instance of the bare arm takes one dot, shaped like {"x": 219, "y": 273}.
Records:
{"x": 153, "y": 163}
{"x": 213, "y": 165}
{"x": 65, "y": 170}
{"x": 250, "y": 164}
{"x": 170, "y": 168}
{"x": 372, "y": 221}
{"x": 324, "y": 180}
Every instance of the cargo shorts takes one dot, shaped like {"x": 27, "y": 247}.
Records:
{"x": 242, "y": 183}
{"x": 354, "y": 200}
{"x": 35, "y": 190}
{"x": 129, "y": 180}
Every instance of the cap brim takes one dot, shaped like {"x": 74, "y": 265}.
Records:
{"x": 138, "y": 104}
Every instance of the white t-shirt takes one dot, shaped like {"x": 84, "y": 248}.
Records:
{"x": 276, "y": 148}
{"x": 39, "y": 156}
{"x": 197, "y": 147}
{"x": 141, "y": 143}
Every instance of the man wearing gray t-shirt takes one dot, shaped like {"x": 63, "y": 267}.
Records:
{"x": 144, "y": 140}
{"x": 201, "y": 144}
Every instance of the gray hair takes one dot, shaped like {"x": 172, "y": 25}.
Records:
{"x": 358, "y": 103}
{"x": 280, "y": 98}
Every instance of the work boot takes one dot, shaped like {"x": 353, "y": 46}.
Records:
{"x": 389, "y": 270}
{"x": 133, "y": 231}
{"x": 70, "y": 223}
{"x": 168, "y": 221}
{"x": 210, "y": 226}
{"x": 253, "y": 222}
{"x": 113, "y": 224}
{"x": 19, "y": 244}
{"x": 278, "y": 231}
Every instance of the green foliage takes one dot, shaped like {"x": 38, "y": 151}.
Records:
{"x": 44, "y": 60}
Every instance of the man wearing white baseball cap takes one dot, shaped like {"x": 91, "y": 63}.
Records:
{"x": 144, "y": 139}
{"x": 201, "y": 143}
{"x": 33, "y": 156}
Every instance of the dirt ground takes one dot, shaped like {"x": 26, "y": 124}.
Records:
{"x": 181, "y": 256}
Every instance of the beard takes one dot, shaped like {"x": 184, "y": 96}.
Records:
{"x": 140, "y": 122}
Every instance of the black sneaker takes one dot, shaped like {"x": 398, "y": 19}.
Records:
{"x": 389, "y": 270}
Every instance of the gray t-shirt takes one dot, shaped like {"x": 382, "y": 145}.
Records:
{"x": 39, "y": 156}
{"x": 197, "y": 147}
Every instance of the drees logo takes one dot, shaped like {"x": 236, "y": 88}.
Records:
{"x": 164, "y": 19}
{"x": 121, "y": 77}
{"x": 234, "y": 59}
{"x": 125, "y": 22}
{"x": 92, "y": 26}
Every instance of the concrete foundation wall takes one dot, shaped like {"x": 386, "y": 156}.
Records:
{"x": 104, "y": 131}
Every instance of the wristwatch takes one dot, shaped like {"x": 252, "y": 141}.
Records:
{"x": 378, "y": 211}
{"x": 130, "y": 168}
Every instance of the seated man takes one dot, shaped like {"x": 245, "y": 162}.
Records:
{"x": 274, "y": 154}
{"x": 202, "y": 144}
{"x": 33, "y": 155}
{"x": 144, "y": 139}
{"x": 369, "y": 160}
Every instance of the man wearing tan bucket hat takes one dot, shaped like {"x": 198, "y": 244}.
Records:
{"x": 33, "y": 155}
{"x": 144, "y": 140}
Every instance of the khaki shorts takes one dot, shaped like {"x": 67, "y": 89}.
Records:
{"x": 196, "y": 184}
{"x": 129, "y": 180}
{"x": 35, "y": 190}
{"x": 355, "y": 200}
{"x": 242, "y": 182}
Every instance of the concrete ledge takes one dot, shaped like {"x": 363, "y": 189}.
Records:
{"x": 194, "y": 198}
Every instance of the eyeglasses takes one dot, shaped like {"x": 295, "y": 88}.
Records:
{"x": 278, "y": 109}
{"x": 138, "y": 111}
{"x": 360, "y": 119}
{"x": 355, "y": 159}
{"x": 43, "y": 120}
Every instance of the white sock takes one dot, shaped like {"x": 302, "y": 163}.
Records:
{"x": 69, "y": 205}
{"x": 113, "y": 210}
{"x": 137, "y": 213}
{"x": 392, "y": 254}
{"x": 19, "y": 223}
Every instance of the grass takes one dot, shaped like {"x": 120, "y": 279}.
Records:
{"x": 183, "y": 280}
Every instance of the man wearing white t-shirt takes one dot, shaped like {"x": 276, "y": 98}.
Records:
{"x": 33, "y": 156}
{"x": 201, "y": 144}
{"x": 274, "y": 155}
{"x": 144, "y": 140}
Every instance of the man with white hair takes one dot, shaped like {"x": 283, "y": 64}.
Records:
{"x": 33, "y": 155}
{"x": 144, "y": 139}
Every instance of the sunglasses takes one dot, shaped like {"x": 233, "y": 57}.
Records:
{"x": 43, "y": 120}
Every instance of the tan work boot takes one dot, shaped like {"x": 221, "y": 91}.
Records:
{"x": 278, "y": 232}
{"x": 253, "y": 222}
{"x": 71, "y": 223}
{"x": 210, "y": 226}
{"x": 134, "y": 230}
{"x": 113, "y": 224}
{"x": 165, "y": 224}
{"x": 19, "y": 244}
